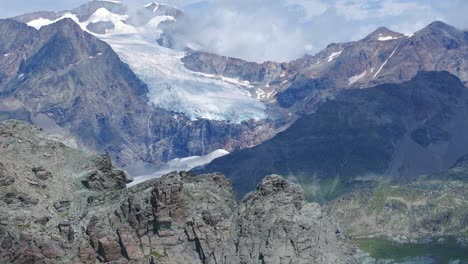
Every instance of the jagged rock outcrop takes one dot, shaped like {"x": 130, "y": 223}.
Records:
{"x": 278, "y": 226}
{"x": 71, "y": 217}
{"x": 253, "y": 72}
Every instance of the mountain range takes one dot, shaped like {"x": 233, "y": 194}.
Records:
{"x": 98, "y": 74}
{"x": 369, "y": 138}
{"x": 394, "y": 131}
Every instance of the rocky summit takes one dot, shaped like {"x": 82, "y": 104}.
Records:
{"x": 61, "y": 205}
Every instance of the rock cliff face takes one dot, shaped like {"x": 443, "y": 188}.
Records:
{"x": 60, "y": 205}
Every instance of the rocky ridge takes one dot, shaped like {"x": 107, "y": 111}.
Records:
{"x": 384, "y": 56}
{"x": 393, "y": 132}
{"x": 61, "y": 205}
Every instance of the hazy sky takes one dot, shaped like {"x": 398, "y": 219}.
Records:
{"x": 283, "y": 30}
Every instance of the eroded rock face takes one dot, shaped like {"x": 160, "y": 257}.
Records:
{"x": 178, "y": 218}
{"x": 278, "y": 226}
{"x": 5, "y": 178}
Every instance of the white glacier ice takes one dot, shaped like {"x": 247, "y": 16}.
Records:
{"x": 171, "y": 85}
{"x": 175, "y": 88}
{"x": 183, "y": 164}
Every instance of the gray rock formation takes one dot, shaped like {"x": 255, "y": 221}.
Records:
{"x": 82, "y": 213}
{"x": 278, "y": 226}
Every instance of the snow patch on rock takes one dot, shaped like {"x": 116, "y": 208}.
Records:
{"x": 356, "y": 78}
{"x": 182, "y": 164}
{"x": 41, "y": 22}
{"x": 386, "y": 38}
{"x": 385, "y": 62}
{"x": 334, "y": 55}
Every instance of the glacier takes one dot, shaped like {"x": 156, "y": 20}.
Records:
{"x": 172, "y": 86}
{"x": 183, "y": 164}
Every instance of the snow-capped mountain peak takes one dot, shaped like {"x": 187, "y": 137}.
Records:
{"x": 133, "y": 33}
{"x": 384, "y": 34}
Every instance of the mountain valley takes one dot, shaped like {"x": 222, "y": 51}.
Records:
{"x": 117, "y": 145}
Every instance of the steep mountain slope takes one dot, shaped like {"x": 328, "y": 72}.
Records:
{"x": 61, "y": 76}
{"x": 69, "y": 76}
{"x": 133, "y": 34}
{"x": 191, "y": 103}
{"x": 61, "y": 205}
{"x": 432, "y": 206}
{"x": 383, "y": 56}
{"x": 397, "y": 131}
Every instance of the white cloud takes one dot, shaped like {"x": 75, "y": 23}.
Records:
{"x": 311, "y": 8}
{"x": 283, "y": 30}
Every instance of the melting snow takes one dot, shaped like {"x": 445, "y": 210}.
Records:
{"x": 103, "y": 14}
{"x": 111, "y": 1}
{"x": 156, "y": 8}
{"x": 381, "y": 67}
{"x": 154, "y": 22}
{"x": 356, "y": 78}
{"x": 41, "y": 22}
{"x": 334, "y": 55}
{"x": 175, "y": 88}
{"x": 260, "y": 94}
{"x": 385, "y": 38}
{"x": 225, "y": 79}
{"x": 171, "y": 85}
{"x": 183, "y": 164}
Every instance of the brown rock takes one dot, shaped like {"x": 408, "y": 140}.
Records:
{"x": 129, "y": 242}
{"x": 52, "y": 250}
{"x": 109, "y": 249}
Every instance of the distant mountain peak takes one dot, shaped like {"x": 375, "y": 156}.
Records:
{"x": 440, "y": 25}
{"x": 383, "y": 34}
{"x": 109, "y": 1}
{"x": 163, "y": 9}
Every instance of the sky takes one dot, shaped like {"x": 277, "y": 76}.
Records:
{"x": 282, "y": 30}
